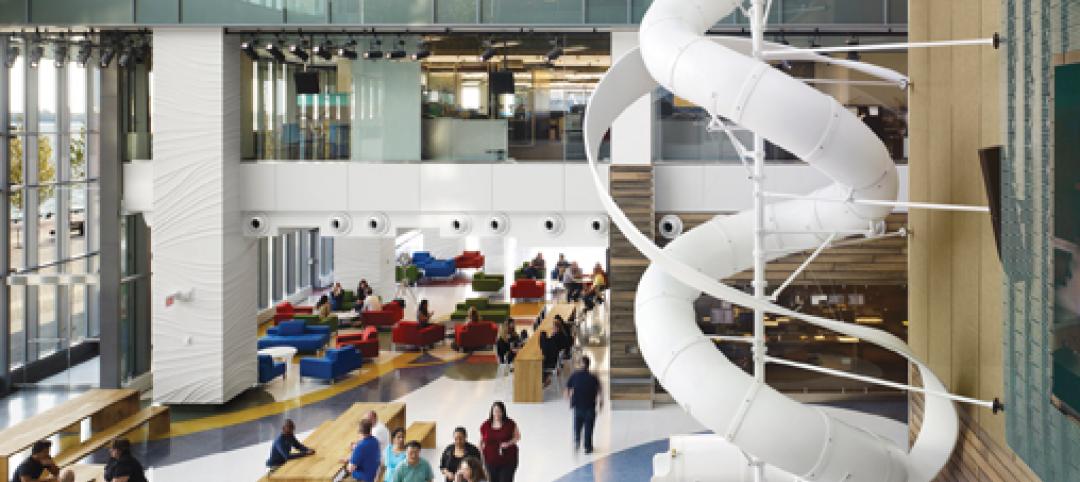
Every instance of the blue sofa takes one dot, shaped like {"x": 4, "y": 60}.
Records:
{"x": 432, "y": 267}
{"x": 337, "y": 362}
{"x": 297, "y": 334}
{"x": 269, "y": 369}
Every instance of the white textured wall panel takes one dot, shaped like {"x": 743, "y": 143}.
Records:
{"x": 384, "y": 187}
{"x": 580, "y": 191}
{"x": 259, "y": 181}
{"x": 455, "y": 187}
{"x": 528, "y": 187}
{"x": 203, "y": 349}
{"x": 367, "y": 258}
{"x": 309, "y": 186}
{"x": 679, "y": 188}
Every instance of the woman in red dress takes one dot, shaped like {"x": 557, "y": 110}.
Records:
{"x": 499, "y": 436}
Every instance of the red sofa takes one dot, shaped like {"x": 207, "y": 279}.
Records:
{"x": 410, "y": 333}
{"x": 471, "y": 336}
{"x": 285, "y": 311}
{"x": 527, "y": 288}
{"x": 469, "y": 259}
{"x": 389, "y": 314}
{"x": 366, "y": 342}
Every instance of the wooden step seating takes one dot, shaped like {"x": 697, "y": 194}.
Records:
{"x": 528, "y": 364}
{"x": 423, "y": 432}
{"x": 331, "y": 442}
{"x": 156, "y": 418}
{"x": 88, "y": 472}
{"x": 103, "y": 407}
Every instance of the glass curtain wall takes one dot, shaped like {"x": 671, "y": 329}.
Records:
{"x": 54, "y": 118}
{"x": 458, "y": 98}
{"x": 292, "y": 262}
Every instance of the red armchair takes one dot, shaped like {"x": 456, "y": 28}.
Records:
{"x": 469, "y": 259}
{"x": 390, "y": 313}
{"x": 366, "y": 342}
{"x": 470, "y": 336}
{"x": 410, "y": 333}
{"x": 527, "y": 288}
{"x": 285, "y": 311}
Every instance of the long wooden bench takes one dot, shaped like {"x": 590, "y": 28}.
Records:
{"x": 331, "y": 442}
{"x": 423, "y": 432}
{"x": 103, "y": 407}
{"x": 157, "y": 419}
{"x": 529, "y": 362}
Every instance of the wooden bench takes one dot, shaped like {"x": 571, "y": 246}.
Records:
{"x": 423, "y": 432}
{"x": 529, "y": 362}
{"x": 331, "y": 442}
{"x": 156, "y": 418}
{"x": 88, "y": 472}
{"x": 104, "y": 408}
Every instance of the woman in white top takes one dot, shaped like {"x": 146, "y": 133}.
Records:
{"x": 372, "y": 302}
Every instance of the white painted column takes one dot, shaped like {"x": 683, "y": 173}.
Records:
{"x": 372, "y": 259}
{"x": 203, "y": 348}
{"x": 632, "y": 132}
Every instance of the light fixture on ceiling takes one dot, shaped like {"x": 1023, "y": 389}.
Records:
{"x": 348, "y": 51}
{"x": 853, "y": 56}
{"x": 126, "y": 56}
{"x": 423, "y": 51}
{"x": 374, "y": 50}
{"x": 297, "y": 50}
{"x": 83, "y": 55}
{"x": 35, "y": 53}
{"x": 324, "y": 50}
{"x": 399, "y": 50}
{"x": 60, "y": 51}
{"x": 107, "y": 54}
{"x": 274, "y": 49}
{"x": 12, "y": 56}
{"x": 555, "y": 52}
{"x": 248, "y": 46}
{"x": 489, "y": 51}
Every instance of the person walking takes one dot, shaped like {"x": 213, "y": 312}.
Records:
{"x": 499, "y": 436}
{"x": 583, "y": 391}
{"x": 456, "y": 452}
{"x": 414, "y": 469}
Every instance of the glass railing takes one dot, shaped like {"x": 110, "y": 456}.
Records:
{"x": 416, "y": 12}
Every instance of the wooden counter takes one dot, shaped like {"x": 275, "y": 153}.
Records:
{"x": 529, "y": 362}
{"x": 331, "y": 442}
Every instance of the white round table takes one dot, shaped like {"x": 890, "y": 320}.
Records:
{"x": 284, "y": 353}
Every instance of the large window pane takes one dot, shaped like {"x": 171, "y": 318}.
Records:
{"x": 48, "y": 320}
{"x": 46, "y": 90}
{"x": 532, "y": 11}
{"x": 47, "y": 229}
{"x": 17, "y": 90}
{"x": 77, "y": 227}
{"x": 157, "y": 11}
{"x": 242, "y": 12}
{"x": 456, "y": 11}
{"x": 606, "y": 11}
{"x": 13, "y": 11}
{"x": 898, "y": 11}
{"x": 290, "y": 263}
{"x": 836, "y": 11}
{"x": 398, "y": 11}
{"x": 17, "y": 312}
{"x": 307, "y": 11}
{"x": 81, "y": 11}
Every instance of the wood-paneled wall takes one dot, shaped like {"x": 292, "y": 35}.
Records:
{"x": 631, "y": 382}
{"x": 954, "y": 275}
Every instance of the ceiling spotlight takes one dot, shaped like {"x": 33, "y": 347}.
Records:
{"x": 107, "y": 54}
{"x": 374, "y": 51}
{"x": 248, "y": 46}
{"x": 297, "y": 50}
{"x": 347, "y": 53}
{"x": 12, "y": 56}
{"x": 36, "y": 52}
{"x": 555, "y": 51}
{"x": 83, "y": 56}
{"x": 488, "y": 53}
{"x": 275, "y": 51}
{"x": 399, "y": 51}
{"x": 60, "y": 51}
{"x": 853, "y": 56}
{"x": 126, "y": 56}
{"x": 324, "y": 50}
{"x": 422, "y": 51}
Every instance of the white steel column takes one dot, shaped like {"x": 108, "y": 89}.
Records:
{"x": 203, "y": 346}
{"x": 757, "y": 32}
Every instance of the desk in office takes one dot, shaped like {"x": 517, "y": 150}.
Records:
{"x": 529, "y": 362}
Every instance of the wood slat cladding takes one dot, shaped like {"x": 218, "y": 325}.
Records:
{"x": 631, "y": 381}
{"x": 976, "y": 457}
{"x": 878, "y": 262}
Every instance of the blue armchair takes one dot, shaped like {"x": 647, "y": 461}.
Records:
{"x": 421, "y": 258}
{"x": 297, "y": 334}
{"x": 439, "y": 268}
{"x": 336, "y": 363}
{"x": 269, "y": 369}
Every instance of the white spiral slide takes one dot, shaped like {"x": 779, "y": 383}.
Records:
{"x": 794, "y": 441}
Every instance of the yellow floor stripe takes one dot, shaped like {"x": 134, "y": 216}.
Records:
{"x": 188, "y": 427}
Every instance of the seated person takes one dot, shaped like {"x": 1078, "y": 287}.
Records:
{"x": 423, "y": 314}
{"x": 551, "y": 346}
{"x": 39, "y": 461}
{"x": 536, "y": 267}
{"x": 337, "y": 297}
{"x": 281, "y": 451}
{"x": 473, "y": 315}
{"x": 573, "y": 287}
{"x": 522, "y": 337}
{"x": 505, "y": 348}
{"x": 372, "y": 302}
{"x": 362, "y": 289}
{"x": 567, "y": 331}
{"x": 122, "y": 466}
{"x": 322, "y": 308}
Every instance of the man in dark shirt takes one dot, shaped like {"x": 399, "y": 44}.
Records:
{"x": 122, "y": 466}
{"x": 284, "y": 444}
{"x": 40, "y": 466}
{"x": 583, "y": 390}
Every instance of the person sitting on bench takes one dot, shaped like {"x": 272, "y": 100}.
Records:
{"x": 40, "y": 466}
{"x": 285, "y": 443}
{"x": 122, "y": 466}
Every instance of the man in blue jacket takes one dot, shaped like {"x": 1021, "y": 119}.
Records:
{"x": 284, "y": 444}
{"x": 364, "y": 463}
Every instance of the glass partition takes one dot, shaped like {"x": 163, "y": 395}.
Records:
{"x": 464, "y": 98}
